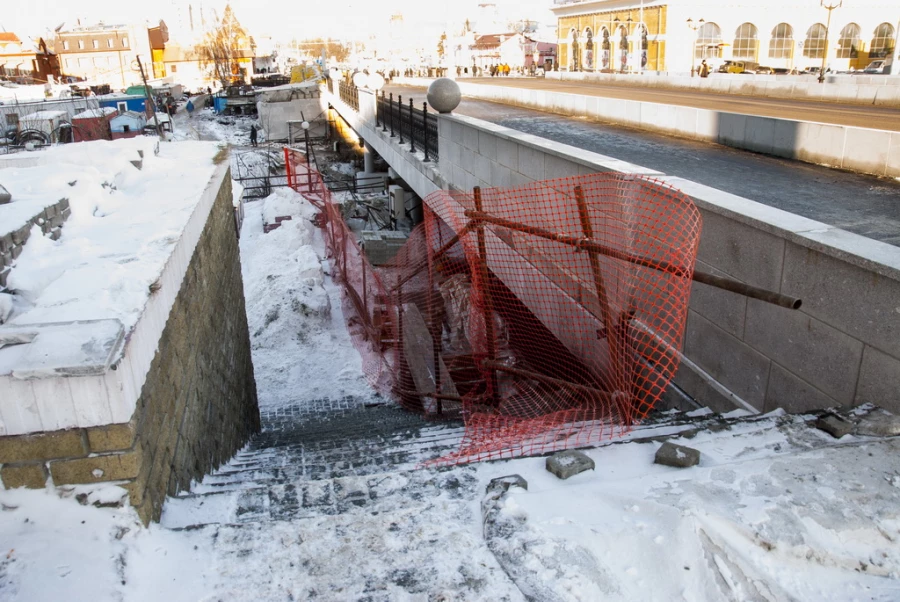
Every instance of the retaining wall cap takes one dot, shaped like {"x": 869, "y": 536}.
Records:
{"x": 81, "y": 348}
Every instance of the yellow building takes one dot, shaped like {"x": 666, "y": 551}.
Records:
{"x": 674, "y": 36}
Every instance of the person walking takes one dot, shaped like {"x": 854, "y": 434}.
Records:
{"x": 189, "y": 107}
{"x": 253, "y": 135}
{"x": 704, "y": 69}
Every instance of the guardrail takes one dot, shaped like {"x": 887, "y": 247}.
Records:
{"x": 350, "y": 95}
{"x": 419, "y": 128}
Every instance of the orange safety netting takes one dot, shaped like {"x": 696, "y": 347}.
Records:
{"x": 549, "y": 316}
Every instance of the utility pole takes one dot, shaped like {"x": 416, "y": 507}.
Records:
{"x": 694, "y": 28}
{"x": 149, "y": 99}
{"x": 828, "y": 5}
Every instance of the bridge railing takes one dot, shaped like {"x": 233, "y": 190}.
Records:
{"x": 350, "y": 95}
{"x": 416, "y": 127}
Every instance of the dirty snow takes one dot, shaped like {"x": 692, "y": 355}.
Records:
{"x": 300, "y": 345}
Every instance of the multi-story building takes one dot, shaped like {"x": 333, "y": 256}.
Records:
{"x": 676, "y": 35}
{"x": 108, "y": 53}
{"x": 24, "y": 63}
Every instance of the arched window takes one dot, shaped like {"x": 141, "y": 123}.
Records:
{"x": 814, "y": 46}
{"x": 746, "y": 42}
{"x": 782, "y": 43}
{"x": 588, "y": 49}
{"x": 848, "y": 43}
{"x": 605, "y": 50}
{"x": 623, "y": 48}
{"x": 882, "y": 42}
{"x": 709, "y": 42}
{"x": 573, "y": 59}
{"x": 645, "y": 45}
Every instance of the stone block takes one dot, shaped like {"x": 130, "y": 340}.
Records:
{"x": 4, "y": 276}
{"x": 878, "y": 423}
{"x": 741, "y": 251}
{"x": 892, "y": 168}
{"x": 677, "y": 456}
{"x": 112, "y": 467}
{"x": 569, "y": 463}
{"x": 866, "y": 150}
{"x": 30, "y": 476}
{"x": 724, "y": 309}
{"x": 508, "y": 153}
{"x": 826, "y": 284}
{"x": 21, "y": 235}
{"x": 113, "y": 437}
{"x": 737, "y": 366}
{"x": 792, "y": 394}
{"x": 835, "y": 426}
{"x": 6, "y": 243}
{"x": 5, "y": 196}
{"x": 502, "y": 484}
{"x": 43, "y": 446}
{"x": 825, "y": 357}
{"x": 732, "y": 129}
{"x": 879, "y": 380}
{"x": 820, "y": 143}
{"x": 759, "y": 135}
{"x": 531, "y": 162}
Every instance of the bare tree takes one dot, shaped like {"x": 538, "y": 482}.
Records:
{"x": 223, "y": 46}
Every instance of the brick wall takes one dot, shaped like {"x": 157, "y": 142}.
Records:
{"x": 198, "y": 403}
{"x": 50, "y": 220}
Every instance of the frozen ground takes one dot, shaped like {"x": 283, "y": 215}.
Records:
{"x": 776, "y": 510}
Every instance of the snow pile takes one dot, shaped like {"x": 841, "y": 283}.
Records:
{"x": 301, "y": 348}
{"x": 123, "y": 226}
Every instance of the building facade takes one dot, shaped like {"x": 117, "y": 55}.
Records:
{"x": 26, "y": 63}
{"x": 676, "y": 36}
{"x": 108, "y": 53}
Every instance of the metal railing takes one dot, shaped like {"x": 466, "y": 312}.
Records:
{"x": 416, "y": 127}
{"x": 350, "y": 95}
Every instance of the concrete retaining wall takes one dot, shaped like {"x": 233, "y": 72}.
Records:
{"x": 186, "y": 375}
{"x": 841, "y": 348}
{"x": 879, "y": 90}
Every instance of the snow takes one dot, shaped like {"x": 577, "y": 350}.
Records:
{"x": 300, "y": 345}
{"x": 123, "y": 226}
{"x": 94, "y": 113}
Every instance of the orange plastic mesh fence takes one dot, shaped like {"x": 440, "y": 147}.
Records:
{"x": 549, "y": 315}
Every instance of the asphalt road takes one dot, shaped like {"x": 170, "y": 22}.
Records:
{"x": 882, "y": 118}
{"x": 866, "y": 205}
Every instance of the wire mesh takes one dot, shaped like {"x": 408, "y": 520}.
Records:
{"x": 549, "y": 316}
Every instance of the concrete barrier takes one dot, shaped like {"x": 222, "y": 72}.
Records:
{"x": 842, "y": 348}
{"x": 851, "y": 89}
{"x": 870, "y": 151}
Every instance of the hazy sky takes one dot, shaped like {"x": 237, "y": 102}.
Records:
{"x": 282, "y": 19}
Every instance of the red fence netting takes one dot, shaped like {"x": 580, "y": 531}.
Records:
{"x": 549, "y": 316}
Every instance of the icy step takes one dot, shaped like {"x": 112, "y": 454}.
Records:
{"x": 300, "y": 498}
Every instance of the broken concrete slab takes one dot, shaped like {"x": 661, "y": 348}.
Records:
{"x": 569, "y": 463}
{"x": 502, "y": 484}
{"x": 835, "y": 426}
{"x": 879, "y": 423}
{"x": 677, "y": 456}
{"x": 5, "y": 196}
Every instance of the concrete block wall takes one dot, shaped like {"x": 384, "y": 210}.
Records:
{"x": 864, "y": 150}
{"x": 50, "y": 220}
{"x": 195, "y": 400}
{"x": 841, "y": 348}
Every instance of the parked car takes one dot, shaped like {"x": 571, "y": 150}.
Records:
{"x": 748, "y": 67}
{"x": 881, "y": 66}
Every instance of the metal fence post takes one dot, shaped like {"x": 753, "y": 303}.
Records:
{"x": 425, "y": 129}
{"x": 412, "y": 128}
{"x": 400, "y": 111}
{"x": 391, "y": 111}
{"x": 383, "y": 122}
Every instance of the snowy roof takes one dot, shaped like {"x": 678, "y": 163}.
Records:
{"x": 163, "y": 118}
{"x": 94, "y": 113}
{"x": 131, "y": 115}
{"x": 39, "y": 115}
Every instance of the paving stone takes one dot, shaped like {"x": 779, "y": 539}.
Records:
{"x": 835, "y": 426}
{"x": 678, "y": 456}
{"x": 879, "y": 423}
{"x": 568, "y": 463}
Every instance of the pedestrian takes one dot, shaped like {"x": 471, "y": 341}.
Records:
{"x": 252, "y": 135}
{"x": 209, "y": 90}
{"x": 704, "y": 69}
{"x": 190, "y": 108}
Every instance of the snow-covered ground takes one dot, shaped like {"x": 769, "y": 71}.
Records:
{"x": 776, "y": 510}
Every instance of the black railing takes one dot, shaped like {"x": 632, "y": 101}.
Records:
{"x": 350, "y": 95}
{"x": 417, "y": 127}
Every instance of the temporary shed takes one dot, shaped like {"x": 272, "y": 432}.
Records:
{"x": 93, "y": 124}
{"x": 128, "y": 124}
{"x": 44, "y": 126}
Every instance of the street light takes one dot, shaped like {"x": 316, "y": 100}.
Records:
{"x": 694, "y": 28}
{"x": 828, "y": 5}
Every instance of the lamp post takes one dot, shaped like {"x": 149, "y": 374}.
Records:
{"x": 828, "y": 5}
{"x": 694, "y": 27}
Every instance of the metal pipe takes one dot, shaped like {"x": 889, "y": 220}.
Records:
{"x": 484, "y": 281}
{"x": 548, "y": 380}
{"x": 728, "y": 284}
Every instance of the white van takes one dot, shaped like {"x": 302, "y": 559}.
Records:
{"x": 881, "y": 66}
